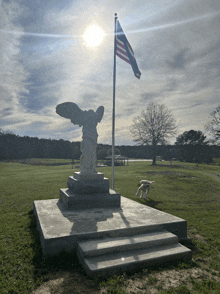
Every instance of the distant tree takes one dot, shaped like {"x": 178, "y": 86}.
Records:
{"x": 101, "y": 153}
{"x": 213, "y": 127}
{"x": 153, "y": 127}
{"x": 75, "y": 147}
{"x": 191, "y": 138}
{"x": 192, "y": 147}
{"x": 116, "y": 151}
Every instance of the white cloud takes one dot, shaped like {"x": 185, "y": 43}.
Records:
{"x": 176, "y": 44}
{"x": 12, "y": 72}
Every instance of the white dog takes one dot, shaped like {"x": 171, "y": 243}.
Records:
{"x": 144, "y": 188}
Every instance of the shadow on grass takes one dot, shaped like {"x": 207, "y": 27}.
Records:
{"x": 149, "y": 202}
{"x": 189, "y": 244}
{"x": 152, "y": 203}
{"x": 64, "y": 261}
{"x": 65, "y": 264}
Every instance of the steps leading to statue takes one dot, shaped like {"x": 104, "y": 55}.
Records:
{"x": 107, "y": 245}
{"x": 118, "y": 254}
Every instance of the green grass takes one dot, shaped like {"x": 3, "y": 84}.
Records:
{"x": 42, "y": 161}
{"x": 185, "y": 190}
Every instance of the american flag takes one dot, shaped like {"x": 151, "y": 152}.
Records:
{"x": 124, "y": 50}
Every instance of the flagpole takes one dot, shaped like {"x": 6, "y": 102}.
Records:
{"x": 113, "y": 110}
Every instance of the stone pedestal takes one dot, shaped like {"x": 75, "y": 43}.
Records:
{"x": 88, "y": 192}
{"x": 88, "y": 184}
{"x": 89, "y": 201}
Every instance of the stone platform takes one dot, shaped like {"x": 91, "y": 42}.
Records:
{"x": 62, "y": 229}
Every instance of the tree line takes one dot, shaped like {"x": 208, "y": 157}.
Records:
{"x": 16, "y": 147}
{"x": 150, "y": 130}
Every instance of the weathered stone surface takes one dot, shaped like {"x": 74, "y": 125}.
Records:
{"x": 88, "y": 186}
{"x": 81, "y": 201}
{"x": 109, "y": 264}
{"x": 96, "y": 247}
{"x": 85, "y": 177}
{"x": 111, "y": 255}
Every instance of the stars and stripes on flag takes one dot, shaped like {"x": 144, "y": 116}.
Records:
{"x": 124, "y": 50}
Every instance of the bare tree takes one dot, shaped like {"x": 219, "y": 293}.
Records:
{"x": 153, "y": 126}
{"x": 214, "y": 125}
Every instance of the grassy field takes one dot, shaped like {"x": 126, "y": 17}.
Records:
{"x": 185, "y": 190}
{"x": 42, "y": 161}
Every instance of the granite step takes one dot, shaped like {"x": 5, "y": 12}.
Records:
{"x": 112, "y": 263}
{"x": 125, "y": 243}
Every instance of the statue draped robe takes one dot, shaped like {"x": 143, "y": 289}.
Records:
{"x": 88, "y": 120}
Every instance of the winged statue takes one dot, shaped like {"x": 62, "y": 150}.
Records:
{"x": 88, "y": 119}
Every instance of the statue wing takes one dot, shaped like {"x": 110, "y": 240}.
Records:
{"x": 71, "y": 111}
{"x": 99, "y": 113}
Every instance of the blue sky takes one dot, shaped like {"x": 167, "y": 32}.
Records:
{"x": 44, "y": 61}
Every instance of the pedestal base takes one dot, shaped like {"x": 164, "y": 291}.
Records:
{"x": 75, "y": 201}
{"x": 83, "y": 184}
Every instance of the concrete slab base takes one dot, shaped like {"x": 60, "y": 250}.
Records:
{"x": 61, "y": 229}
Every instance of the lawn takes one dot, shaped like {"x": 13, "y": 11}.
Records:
{"x": 185, "y": 190}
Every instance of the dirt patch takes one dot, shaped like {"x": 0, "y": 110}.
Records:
{"x": 176, "y": 166}
{"x": 217, "y": 177}
{"x": 46, "y": 287}
{"x": 168, "y": 279}
{"x": 143, "y": 282}
{"x": 199, "y": 238}
{"x": 68, "y": 283}
{"x": 170, "y": 173}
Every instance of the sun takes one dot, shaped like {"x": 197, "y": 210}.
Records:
{"x": 93, "y": 35}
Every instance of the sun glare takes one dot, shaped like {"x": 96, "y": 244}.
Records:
{"x": 93, "y": 35}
